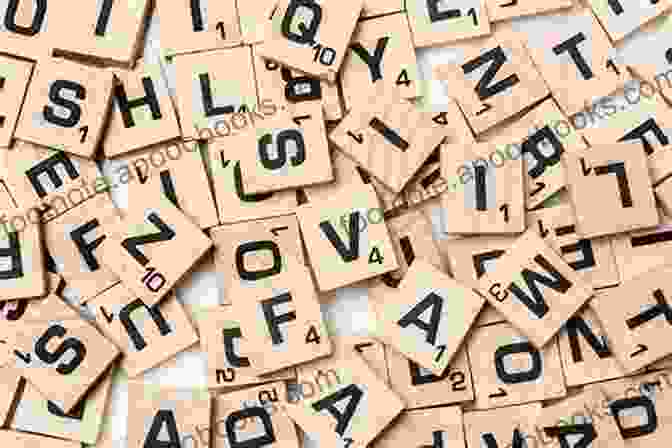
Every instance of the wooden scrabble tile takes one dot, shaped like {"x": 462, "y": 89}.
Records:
{"x": 146, "y": 335}
{"x": 211, "y": 87}
{"x": 251, "y": 17}
{"x": 435, "y": 24}
{"x": 504, "y": 11}
{"x": 389, "y": 137}
{"x": 353, "y": 215}
{"x": 527, "y": 265}
{"x": 250, "y": 412}
{"x": 372, "y": 352}
{"x": 25, "y": 440}
{"x": 419, "y": 388}
{"x": 663, "y": 193}
{"x": 501, "y": 426}
{"x": 28, "y": 29}
{"x": 621, "y": 17}
{"x": 142, "y": 112}
{"x": 430, "y": 343}
{"x": 184, "y": 413}
{"x": 372, "y": 8}
{"x": 508, "y": 369}
{"x": 585, "y": 351}
{"x": 230, "y": 362}
{"x": 626, "y": 313}
{"x": 426, "y": 184}
{"x": 616, "y": 175}
{"x": 234, "y": 204}
{"x": 437, "y": 427}
{"x": 347, "y": 174}
{"x": 197, "y": 26}
{"x": 282, "y": 320}
{"x": 493, "y": 198}
{"x": 66, "y": 107}
{"x": 83, "y": 424}
{"x": 311, "y": 37}
{"x": 6, "y": 199}
{"x": 141, "y": 248}
{"x": 484, "y": 102}
{"x": 254, "y": 251}
{"x": 175, "y": 171}
{"x": 380, "y": 52}
{"x": 541, "y": 135}
{"x": 593, "y": 259}
{"x": 9, "y": 388}
{"x": 344, "y": 379}
{"x": 15, "y": 75}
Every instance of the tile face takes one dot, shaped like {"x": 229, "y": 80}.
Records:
{"x": 577, "y": 59}
{"x": 621, "y": 17}
{"x": 212, "y": 86}
{"x": 28, "y": 30}
{"x": 184, "y": 413}
{"x": 252, "y": 28}
{"x": 632, "y": 317}
{"x": 198, "y": 26}
{"x": 346, "y": 238}
{"x": 229, "y": 359}
{"x": 389, "y": 137}
{"x": 616, "y": 175}
{"x": 639, "y": 251}
{"x": 501, "y": 426}
{"x": 24, "y": 440}
{"x": 14, "y": 78}
{"x": 378, "y": 7}
{"x": 585, "y": 351}
{"x": 372, "y": 352}
{"x": 11, "y": 379}
{"x": 432, "y": 24}
{"x": 357, "y": 388}
{"x": 380, "y": 52}
{"x": 177, "y": 172}
{"x": 593, "y": 259}
{"x": 503, "y": 11}
{"x": 146, "y": 335}
{"x": 534, "y": 288}
{"x": 418, "y": 387}
{"x": 436, "y": 427}
{"x": 508, "y": 369}
{"x": 318, "y": 45}
{"x": 83, "y": 423}
{"x": 425, "y": 293}
{"x": 142, "y": 113}
{"x": 141, "y": 248}
{"x": 492, "y": 200}
{"x": 66, "y": 106}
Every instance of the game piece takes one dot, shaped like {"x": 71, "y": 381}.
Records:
{"x": 14, "y": 78}
{"x": 10, "y": 382}
{"x": 621, "y": 17}
{"x": 437, "y": 427}
{"x": 28, "y": 29}
{"x": 433, "y": 25}
{"x": 499, "y": 11}
{"x": 373, "y": 8}
{"x": 371, "y": 351}
{"x": 251, "y": 17}
{"x": 25, "y": 440}
{"x": 502, "y": 426}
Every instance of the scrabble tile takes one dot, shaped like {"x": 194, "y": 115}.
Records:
{"x": 493, "y": 198}
{"x": 508, "y": 369}
{"x": 501, "y": 426}
{"x": 211, "y": 87}
{"x": 616, "y": 175}
{"x": 255, "y": 251}
{"x": 84, "y": 92}
{"x": 24, "y": 440}
{"x": 141, "y": 248}
{"x": 347, "y": 174}
{"x": 182, "y": 412}
{"x": 427, "y": 183}
{"x": 6, "y": 199}
{"x": 486, "y": 103}
{"x": 437, "y": 427}
{"x": 348, "y": 380}
{"x": 229, "y": 359}
{"x": 146, "y": 335}
{"x": 585, "y": 351}
{"x": 372, "y": 352}
{"x": 419, "y": 388}
{"x": 253, "y": 416}
{"x": 593, "y": 259}
{"x": 252, "y": 28}
{"x": 626, "y": 313}
{"x": 142, "y": 113}
{"x": 621, "y": 17}
{"x": 9, "y": 388}
{"x": 432, "y": 24}
{"x": 282, "y": 320}
{"x": 288, "y": 150}
{"x": 317, "y": 46}
{"x": 380, "y": 52}
{"x": 198, "y": 26}
{"x": 36, "y": 414}
{"x": 576, "y": 59}
{"x": 527, "y": 265}
{"x": 504, "y": 11}
{"x": 175, "y": 171}
{"x": 73, "y": 239}
{"x": 14, "y": 79}
{"x": 379, "y": 7}
{"x": 368, "y": 252}
{"x": 541, "y": 135}
{"x": 401, "y": 316}
{"x": 389, "y": 137}
{"x": 234, "y": 203}
{"x": 663, "y": 193}
{"x": 28, "y": 29}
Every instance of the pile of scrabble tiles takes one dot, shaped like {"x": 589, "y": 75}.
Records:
{"x": 512, "y": 238}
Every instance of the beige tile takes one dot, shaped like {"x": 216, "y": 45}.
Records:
{"x": 621, "y": 17}
{"x": 9, "y": 388}
{"x": 24, "y": 440}
{"x": 378, "y": 7}
{"x": 499, "y": 11}
{"x": 435, "y": 427}
{"x": 432, "y": 24}
{"x": 252, "y": 28}
{"x": 31, "y": 29}
{"x": 14, "y": 79}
